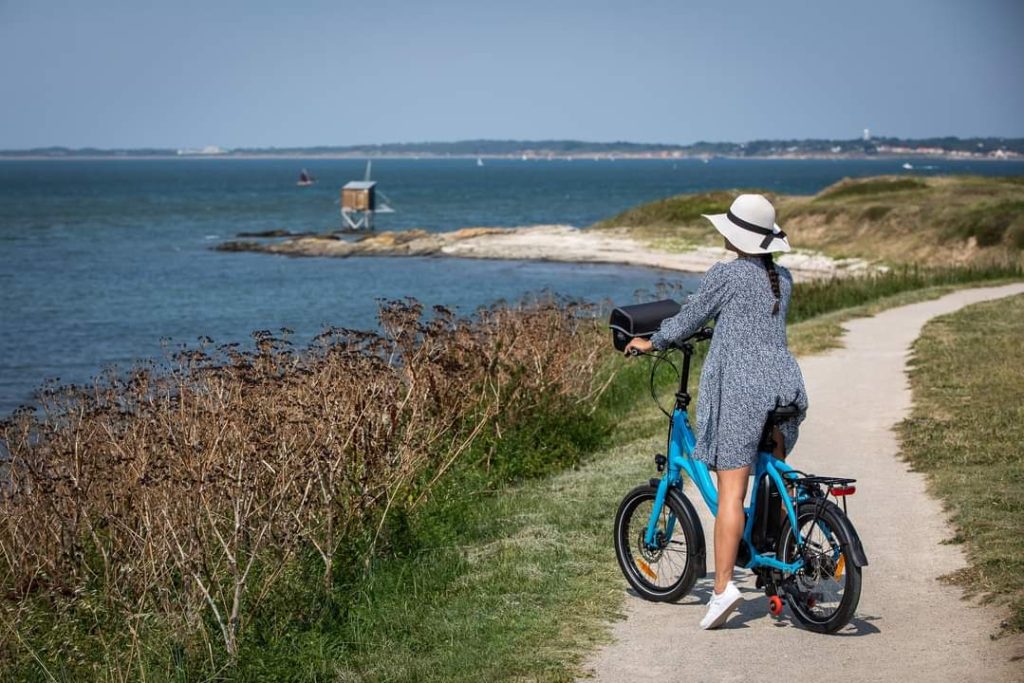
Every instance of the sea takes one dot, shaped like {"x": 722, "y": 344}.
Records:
{"x": 104, "y": 263}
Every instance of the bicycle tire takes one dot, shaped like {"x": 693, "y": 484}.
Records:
{"x": 627, "y": 546}
{"x": 833, "y": 529}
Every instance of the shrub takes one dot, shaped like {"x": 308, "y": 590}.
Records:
{"x": 990, "y": 223}
{"x": 175, "y": 504}
{"x": 876, "y": 212}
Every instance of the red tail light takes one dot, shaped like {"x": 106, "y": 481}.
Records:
{"x": 843, "y": 490}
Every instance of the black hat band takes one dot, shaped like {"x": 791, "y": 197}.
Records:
{"x": 768, "y": 233}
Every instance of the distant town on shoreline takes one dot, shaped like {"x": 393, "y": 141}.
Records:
{"x": 865, "y": 146}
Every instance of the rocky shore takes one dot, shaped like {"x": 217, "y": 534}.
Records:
{"x": 540, "y": 242}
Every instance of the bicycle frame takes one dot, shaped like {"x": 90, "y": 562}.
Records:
{"x": 682, "y": 444}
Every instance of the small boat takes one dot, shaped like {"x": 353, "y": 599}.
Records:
{"x": 907, "y": 166}
{"x": 479, "y": 161}
{"x": 305, "y": 179}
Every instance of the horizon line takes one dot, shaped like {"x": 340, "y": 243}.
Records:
{"x": 517, "y": 141}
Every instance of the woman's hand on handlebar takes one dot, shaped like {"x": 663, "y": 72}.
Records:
{"x": 638, "y": 346}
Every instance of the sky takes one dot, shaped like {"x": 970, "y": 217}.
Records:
{"x": 114, "y": 74}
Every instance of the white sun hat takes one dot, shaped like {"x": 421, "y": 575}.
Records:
{"x": 750, "y": 225}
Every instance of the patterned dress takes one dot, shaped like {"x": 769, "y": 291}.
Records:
{"x": 748, "y": 369}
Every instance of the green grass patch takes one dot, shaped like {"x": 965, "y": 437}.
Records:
{"x": 513, "y": 586}
{"x": 848, "y": 188}
{"x": 681, "y": 209}
{"x": 965, "y": 431}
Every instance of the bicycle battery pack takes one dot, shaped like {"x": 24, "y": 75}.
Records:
{"x": 767, "y": 516}
{"x": 639, "y": 320}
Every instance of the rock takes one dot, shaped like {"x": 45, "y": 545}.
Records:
{"x": 273, "y": 233}
{"x": 539, "y": 242}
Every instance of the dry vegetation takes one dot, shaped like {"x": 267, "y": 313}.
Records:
{"x": 178, "y": 502}
{"x": 941, "y": 220}
{"x": 965, "y": 431}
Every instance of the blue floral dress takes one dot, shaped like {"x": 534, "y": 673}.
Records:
{"x": 748, "y": 369}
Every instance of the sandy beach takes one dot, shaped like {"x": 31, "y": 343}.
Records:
{"x": 539, "y": 242}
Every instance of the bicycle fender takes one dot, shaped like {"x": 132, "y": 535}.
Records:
{"x": 855, "y": 553}
{"x": 700, "y": 552}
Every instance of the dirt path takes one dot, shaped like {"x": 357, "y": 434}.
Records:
{"x": 909, "y": 626}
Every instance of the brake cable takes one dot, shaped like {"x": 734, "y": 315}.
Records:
{"x": 661, "y": 357}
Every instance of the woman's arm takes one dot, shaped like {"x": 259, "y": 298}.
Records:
{"x": 715, "y": 289}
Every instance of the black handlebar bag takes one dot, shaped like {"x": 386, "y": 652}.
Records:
{"x": 639, "y": 320}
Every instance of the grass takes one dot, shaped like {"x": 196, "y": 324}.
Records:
{"x": 521, "y": 571}
{"x": 895, "y": 220}
{"x": 521, "y": 591}
{"x": 870, "y": 187}
{"x": 965, "y": 432}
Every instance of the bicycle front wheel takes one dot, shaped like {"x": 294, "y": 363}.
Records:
{"x": 825, "y": 592}
{"x": 666, "y": 570}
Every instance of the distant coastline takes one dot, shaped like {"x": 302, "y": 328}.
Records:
{"x": 426, "y": 157}
{"x": 990, "y": 148}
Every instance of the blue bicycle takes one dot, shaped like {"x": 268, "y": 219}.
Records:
{"x": 799, "y": 542}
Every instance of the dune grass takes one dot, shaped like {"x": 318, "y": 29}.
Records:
{"x": 895, "y": 220}
{"x": 965, "y": 432}
{"x": 871, "y": 187}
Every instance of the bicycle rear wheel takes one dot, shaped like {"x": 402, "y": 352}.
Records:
{"x": 667, "y": 570}
{"x": 825, "y": 593}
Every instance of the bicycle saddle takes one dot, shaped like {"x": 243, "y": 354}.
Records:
{"x": 776, "y": 416}
{"x": 782, "y": 413}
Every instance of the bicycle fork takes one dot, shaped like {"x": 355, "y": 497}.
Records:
{"x": 671, "y": 478}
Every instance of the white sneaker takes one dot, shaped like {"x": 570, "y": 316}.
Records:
{"x": 721, "y": 606}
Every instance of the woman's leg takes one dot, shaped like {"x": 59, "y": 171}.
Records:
{"x": 732, "y": 488}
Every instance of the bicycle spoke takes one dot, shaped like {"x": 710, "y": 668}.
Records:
{"x": 664, "y": 565}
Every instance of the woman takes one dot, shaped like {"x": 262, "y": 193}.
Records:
{"x": 748, "y": 371}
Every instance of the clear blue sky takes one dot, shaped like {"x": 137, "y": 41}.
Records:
{"x": 173, "y": 74}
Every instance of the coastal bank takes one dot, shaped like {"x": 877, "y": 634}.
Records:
{"x": 855, "y": 226}
{"x": 540, "y": 242}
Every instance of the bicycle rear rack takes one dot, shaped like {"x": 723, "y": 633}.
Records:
{"x": 840, "y": 487}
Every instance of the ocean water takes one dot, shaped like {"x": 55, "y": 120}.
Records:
{"x": 101, "y": 260}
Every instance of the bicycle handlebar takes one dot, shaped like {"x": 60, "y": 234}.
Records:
{"x": 703, "y": 334}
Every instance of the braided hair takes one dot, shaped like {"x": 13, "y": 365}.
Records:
{"x": 773, "y": 278}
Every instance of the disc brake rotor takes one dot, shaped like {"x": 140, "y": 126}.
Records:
{"x": 651, "y": 554}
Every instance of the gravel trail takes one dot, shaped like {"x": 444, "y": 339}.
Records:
{"x": 909, "y": 626}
